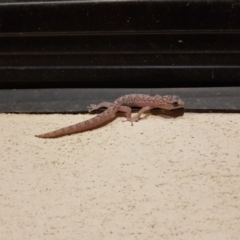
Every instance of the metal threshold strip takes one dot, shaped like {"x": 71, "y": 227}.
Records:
{"x": 72, "y": 101}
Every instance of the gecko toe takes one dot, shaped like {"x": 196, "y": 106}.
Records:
{"x": 91, "y": 107}
{"x": 129, "y": 120}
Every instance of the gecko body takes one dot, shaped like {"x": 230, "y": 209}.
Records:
{"x": 122, "y": 104}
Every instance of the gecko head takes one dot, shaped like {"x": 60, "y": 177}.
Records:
{"x": 170, "y": 102}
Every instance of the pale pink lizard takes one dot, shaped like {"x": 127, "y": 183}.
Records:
{"x": 122, "y": 104}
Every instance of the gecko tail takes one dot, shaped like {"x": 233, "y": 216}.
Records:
{"x": 82, "y": 126}
{"x": 44, "y": 136}
{"x": 59, "y": 133}
{"x": 48, "y": 135}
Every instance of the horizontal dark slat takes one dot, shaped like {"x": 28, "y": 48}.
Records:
{"x": 142, "y": 42}
{"x": 131, "y": 76}
{"x": 79, "y": 16}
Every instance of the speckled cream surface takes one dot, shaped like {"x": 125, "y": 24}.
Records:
{"x": 160, "y": 179}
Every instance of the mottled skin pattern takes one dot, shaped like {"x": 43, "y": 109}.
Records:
{"x": 122, "y": 104}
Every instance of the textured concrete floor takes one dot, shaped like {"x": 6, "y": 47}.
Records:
{"x": 160, "y": 179}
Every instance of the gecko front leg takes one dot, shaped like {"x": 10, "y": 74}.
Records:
{"x": 137, "y": 117}
{"x": 128, "y": 112}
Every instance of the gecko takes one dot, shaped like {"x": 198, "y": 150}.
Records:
{"x": 122, "y": 104}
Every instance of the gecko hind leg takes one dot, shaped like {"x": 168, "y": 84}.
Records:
{"x": 128, "y": 112}
{"x": 93, "y": 107}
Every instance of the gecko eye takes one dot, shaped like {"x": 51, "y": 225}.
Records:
{"x": 175, "y": 104}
